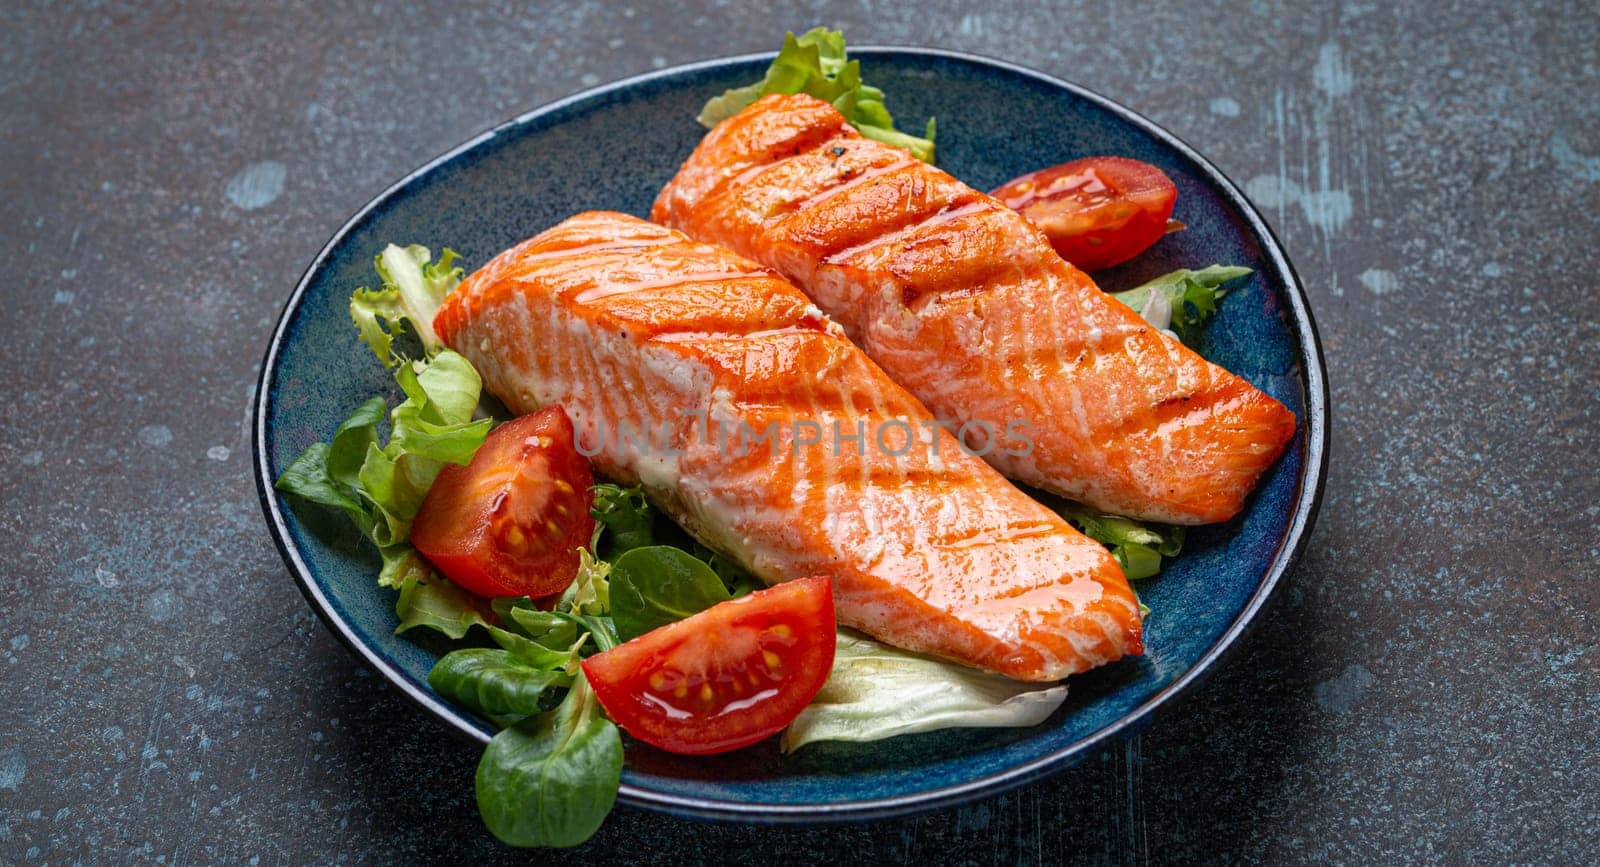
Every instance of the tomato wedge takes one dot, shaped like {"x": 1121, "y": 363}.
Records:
{"x": 732, "y": 675}
{"x": 1097, "y": 211}
{"x": 510, "y": 522}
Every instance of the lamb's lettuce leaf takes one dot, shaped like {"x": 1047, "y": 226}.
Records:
{"x": 550, "y": 779}
{"x": 657, "y": 585}
{"x": 493, "y": 681}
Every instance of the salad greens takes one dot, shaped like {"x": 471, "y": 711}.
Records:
{"x": 494, "y": 682}
{"x": 877, "y": 691}
{"x": 551, "y": 775}
{"x": 550, "y": 779}
{"x": 428, "y": 599}
{"x": 815, "y": 63}
{"x": 1139, "y": 546}
{"x": 413, "y": 288}
{"x": 623, "y": 517}
{"x": 1182, "y": 300}
{"x": 380, "y": 485}
{"x": 654, "y": 586}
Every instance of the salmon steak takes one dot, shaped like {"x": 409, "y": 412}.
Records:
{"x": 965, "y": 303}
{"x": 747, "y": 416}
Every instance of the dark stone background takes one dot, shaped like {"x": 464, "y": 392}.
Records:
{"x": 1427, "y": 687}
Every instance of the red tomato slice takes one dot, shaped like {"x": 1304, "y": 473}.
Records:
{"x": 510, "y": 522}
{"x": 1097, "y": 211}
{"x": 725, "y": 678}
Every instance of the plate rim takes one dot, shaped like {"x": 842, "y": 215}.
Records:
{"x": 1308, "y": 498}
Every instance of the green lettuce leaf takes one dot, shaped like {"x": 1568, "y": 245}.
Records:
{"x": 545, "y": 627}
{"x": 433, "y": 426}
{"x": 1182, "y": 300}
{"x": 427, "y": 599}
{"x": 877, "y": 691}
{"x": 413, "y": 288}
{"x": 535, "y": 654}
{"x": 1139, "y": 547}
{"x": 381, "y": 485}
{"x": 815, "y": 63}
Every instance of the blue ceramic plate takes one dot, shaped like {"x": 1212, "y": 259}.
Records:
{"x": 613, "y": 147}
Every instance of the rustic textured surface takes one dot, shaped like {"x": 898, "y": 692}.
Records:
{"x": 1427, "y": 686}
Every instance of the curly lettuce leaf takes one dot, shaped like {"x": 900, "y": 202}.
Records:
{"x": 413, "y": 288}
{"x": 815, "y": 63}
{"x": 590, "y": 591}
{"x": 433, "y": 426}
{"x": 1182, "y": 300}
{"x": 877, "y": 691}
{"x": 427, "y": 599}
{"x": 380, "y": 485}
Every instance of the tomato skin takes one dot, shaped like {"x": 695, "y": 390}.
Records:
{"x": 510, "y": 522}
{"x": 1097, "y": 211}
{"x": 725, "y": 678}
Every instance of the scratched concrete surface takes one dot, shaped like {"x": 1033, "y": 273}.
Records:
{"x": 1427, "y": 687}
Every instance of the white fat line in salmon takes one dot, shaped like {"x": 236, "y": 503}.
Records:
{"x": 891, "y": 437}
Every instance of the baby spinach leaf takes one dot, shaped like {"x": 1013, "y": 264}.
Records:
{"x": 349, "y": 444}
{"x": 738, "y": 579}
{"x": 327, "y": 473}
{"x": 493, "y": 681}
{"x": 550, "y": 780}
{"x": 654, "y": 586}
{"x": 308, "y": 477}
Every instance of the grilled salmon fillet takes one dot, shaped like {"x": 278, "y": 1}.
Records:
{"x": 962, "y": 301}
{"x": 748, "y": 416}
